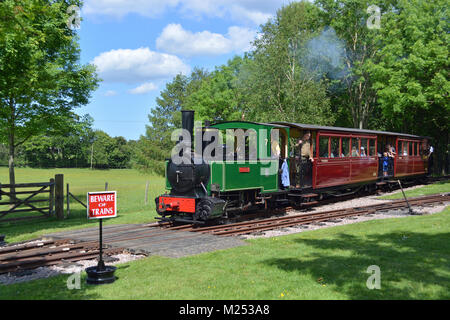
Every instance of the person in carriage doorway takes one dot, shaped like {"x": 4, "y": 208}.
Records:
{"x": 303, "y": 157}
{"x": 430, "y": 159}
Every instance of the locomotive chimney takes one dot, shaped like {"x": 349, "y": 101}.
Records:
{"x": 187, "y": 122}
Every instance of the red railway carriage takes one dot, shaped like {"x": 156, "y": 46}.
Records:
{"x": 346, "y": 156}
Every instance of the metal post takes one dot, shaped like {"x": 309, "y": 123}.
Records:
{"x": 101, "y": 263}
{"x": 404, "y": 196}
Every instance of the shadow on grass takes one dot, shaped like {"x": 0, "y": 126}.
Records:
{"x": 61, "y": 287}
{"x": 413, "y": 265}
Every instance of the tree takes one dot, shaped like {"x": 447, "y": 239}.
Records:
{"x": 70, "y": 149}
{"x": 41, "y": 80}
{"x": 349, "y": 20}
{"x": 218, "y": 97}
{"x": 155, "y": 146}
{"x": 411, "y": 71}
{"x": 275, "y": 81}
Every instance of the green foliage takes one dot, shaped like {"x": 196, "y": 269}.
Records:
{"x": 74, "y": 149}
{"x": 41, "y": 78}
{"x": 218, "y": 97}
{"x": 349, "y": 20}
{"x": 411, "y": 70}
{"x": 65, "y": 150}
{"x": 155, "y": 146}
{"x": 276, "y": 84}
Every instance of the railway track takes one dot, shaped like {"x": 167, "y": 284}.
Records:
{"x": 261, "y": 225}
{"x": 41, "y": 253}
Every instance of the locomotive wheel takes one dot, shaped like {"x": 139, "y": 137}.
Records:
{"x": 203, "y": 210}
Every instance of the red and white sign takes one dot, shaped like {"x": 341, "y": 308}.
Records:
{"x": 101, "y": 205}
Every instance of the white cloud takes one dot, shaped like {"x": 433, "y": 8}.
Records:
{"x": 244, "y": 11}
{"x": 110, "y": 93}
{"x": 138, "y": 65}
{"x": 176, "y": 40}
{"x": 144, "y": 88}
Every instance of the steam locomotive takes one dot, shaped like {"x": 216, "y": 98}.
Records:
{"x": 210, "y": 179}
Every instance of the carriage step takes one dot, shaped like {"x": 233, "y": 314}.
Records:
{"x": 305, "y": 204}
{"x": 304, "y": 195}
{"x": 309, "y": 195}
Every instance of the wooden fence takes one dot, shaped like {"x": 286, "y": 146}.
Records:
{"x": 32, "y": 201}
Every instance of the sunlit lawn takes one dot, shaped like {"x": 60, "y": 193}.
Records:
{"x": 438, "y": 187}
{"x": 129, "y": 184}
{"x": 413, "y": 254}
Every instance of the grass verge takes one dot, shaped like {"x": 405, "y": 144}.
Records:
{"x": 129, "y": 184}
{"x": 413, "y": 254}
{"x": 438, "y": 187}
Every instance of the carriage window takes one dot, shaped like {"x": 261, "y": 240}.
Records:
{"x": 372, "y": 150}
{"x": 410, "y": 149}
{"x": 355, "y": 147}
{"x": 380, "y": 145}
{"x": 335, "y": 147}
{"x": 323, "y": 147}
{"x": 345, "y": 147}
{"x": 404, "y": 151}
{"x": 363, "y": 149}
{"x": 415, "y": 148}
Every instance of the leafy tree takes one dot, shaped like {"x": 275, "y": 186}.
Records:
{"x": 108, "y": 152}
{"x": 411, "y": 71}
{"x": 218, "y": 97}
{"x": 41, "y": 79}
{"x": 164, "y": 118}
{"x": 71, "y": 149}
{"x": 360, "y": 43}
{"x": 275, "y": 83}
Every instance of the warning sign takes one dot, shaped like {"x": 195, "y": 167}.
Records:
{"x": 101, "y": 205}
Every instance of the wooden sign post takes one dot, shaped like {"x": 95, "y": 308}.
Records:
{"x": 101, "y": 205}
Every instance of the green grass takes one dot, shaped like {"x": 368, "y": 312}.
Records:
{"x": 439, "y": 187}
{"x": 413, "y": 254}
{"x": 129, "y": 184}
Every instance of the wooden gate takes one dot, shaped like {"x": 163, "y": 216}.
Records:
{"x": 30, "y": 198}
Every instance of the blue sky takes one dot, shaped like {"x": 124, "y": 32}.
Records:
{"x": 138, "y": 46}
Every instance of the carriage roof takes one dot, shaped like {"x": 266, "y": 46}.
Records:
{"x": 341, "y": 129}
